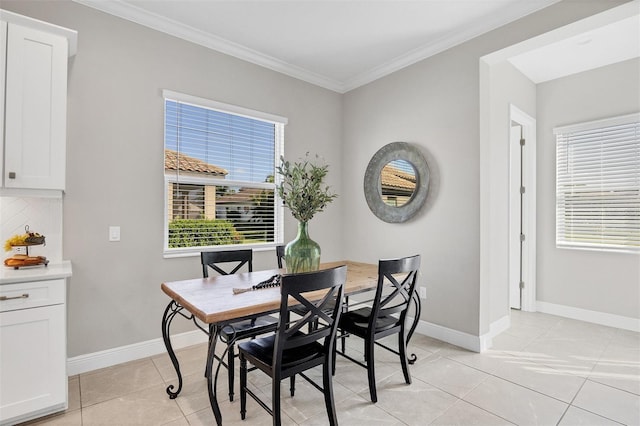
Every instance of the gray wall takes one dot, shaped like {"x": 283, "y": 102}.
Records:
{"x": 592, "y": 280}
{"x": 435, "y": 105}
{"x": 115, "y": 163}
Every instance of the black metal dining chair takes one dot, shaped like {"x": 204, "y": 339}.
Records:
{"x": 290, "y": 351}
{"x": 386, "y": 316}
{"x": 220, "y": 262}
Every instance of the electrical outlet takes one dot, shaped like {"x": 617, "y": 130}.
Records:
{"x": 423, "y": 292}
{"x": 114, "y": 233}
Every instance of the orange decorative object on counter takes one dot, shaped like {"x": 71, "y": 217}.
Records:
{"x": 24, "y": 240}
{"x": 21, "y": 260}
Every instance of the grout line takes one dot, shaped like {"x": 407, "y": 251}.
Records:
{"x": 587, "y": 410}
{"x": 508, "y": 381}
{"x": 80, "y": 401}
{"x": 571, "y": 402}
{"x": 164, "y": 383}
{"x": 480, "y": 408}
{"x": 461, "y": 398}
{"x": 612, "y": 387}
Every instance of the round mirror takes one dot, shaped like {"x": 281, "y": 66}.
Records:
{"x": 396, "y": 182}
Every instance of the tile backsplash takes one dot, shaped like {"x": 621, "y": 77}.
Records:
{"x": 43, "y": 215}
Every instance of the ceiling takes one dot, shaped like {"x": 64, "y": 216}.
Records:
{"x": 591, "y": 48}
{"x": 339, "y": 45}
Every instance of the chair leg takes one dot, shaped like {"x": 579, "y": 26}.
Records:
{"x": 292, "y": 387}
{"x": 402, "y": 348}
{"x": 231, "y": 354}
{"x": 368, "y": 355}
{"x": 328, "y": 393}
{"x": 345, "y": 309}
{"x": 333, "y": 358}
{"x": 275, "y": 401}
{"x": 243, "y": 387}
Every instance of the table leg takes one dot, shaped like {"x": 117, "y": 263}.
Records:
{"x": 416, "y": 318}
{"x": 169, "y": 313}
{"x": 212, "y": 379}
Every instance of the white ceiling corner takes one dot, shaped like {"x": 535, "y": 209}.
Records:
{"x": 454, "y": 37}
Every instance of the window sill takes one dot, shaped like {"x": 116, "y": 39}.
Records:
{"x": 619, "y": 250}
{"x": 193, "y": 252}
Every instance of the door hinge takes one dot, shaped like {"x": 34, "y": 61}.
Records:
{"x": 522, "y": 189}
{"x": 522, "y": 237}
{"x": 522, "y": 142}
{"x": 521, "y": 285}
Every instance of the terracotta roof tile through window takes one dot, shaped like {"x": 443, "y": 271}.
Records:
{"x": 173, "y": 160}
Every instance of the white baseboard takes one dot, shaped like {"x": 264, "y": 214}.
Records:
{"x": 110, "y": 357}
{"x": 107, "y": 358}
{"x": 602, "y": 318}
{"x": 464, "y": 340}
{"x": 449, "y": 335}
{"x": 495, "y": 328}
{"x": 500, "y": 325}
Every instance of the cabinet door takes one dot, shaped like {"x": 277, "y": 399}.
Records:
{"x": 35, "y": 109}
{"x": 3, "y": 68}
{"x": 32, "y": 361}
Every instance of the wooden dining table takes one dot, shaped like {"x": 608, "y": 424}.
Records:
{"x": 212, "y": 305}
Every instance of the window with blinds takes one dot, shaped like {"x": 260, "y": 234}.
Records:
{"x": 219, "y": 168}
{"x": 598, "y": 184}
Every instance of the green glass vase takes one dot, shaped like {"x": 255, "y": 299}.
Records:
{"x": 302, "y": 254}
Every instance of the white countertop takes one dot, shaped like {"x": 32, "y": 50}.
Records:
{"x": 52, "y": 271}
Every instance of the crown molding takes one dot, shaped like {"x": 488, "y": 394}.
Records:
{"x": 140, "y": 16}
{"x": 219, "y": 44}
{"x": 445, "y": 42}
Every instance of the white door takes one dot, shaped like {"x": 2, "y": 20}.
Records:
{"x": 515, "y": 216}
{"x": 522, "y": 211}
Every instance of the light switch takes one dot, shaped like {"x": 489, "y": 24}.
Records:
{"x": 114, "y": 233}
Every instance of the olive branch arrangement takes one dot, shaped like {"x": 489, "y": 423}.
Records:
{"x": 301, "y": 188}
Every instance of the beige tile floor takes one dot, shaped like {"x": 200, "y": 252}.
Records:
{"x": 545, "y": 370}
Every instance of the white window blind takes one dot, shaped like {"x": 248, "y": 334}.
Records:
{"x": 598, "y": 184}
{"x": 219, "y": 168}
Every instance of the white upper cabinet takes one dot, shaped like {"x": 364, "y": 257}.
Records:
{"x": 35, "y": 56}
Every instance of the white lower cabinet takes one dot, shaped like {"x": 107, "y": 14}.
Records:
{"x": 33, "y": 350}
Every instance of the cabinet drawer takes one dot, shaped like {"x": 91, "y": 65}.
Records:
{"x": 32, "y": 294}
